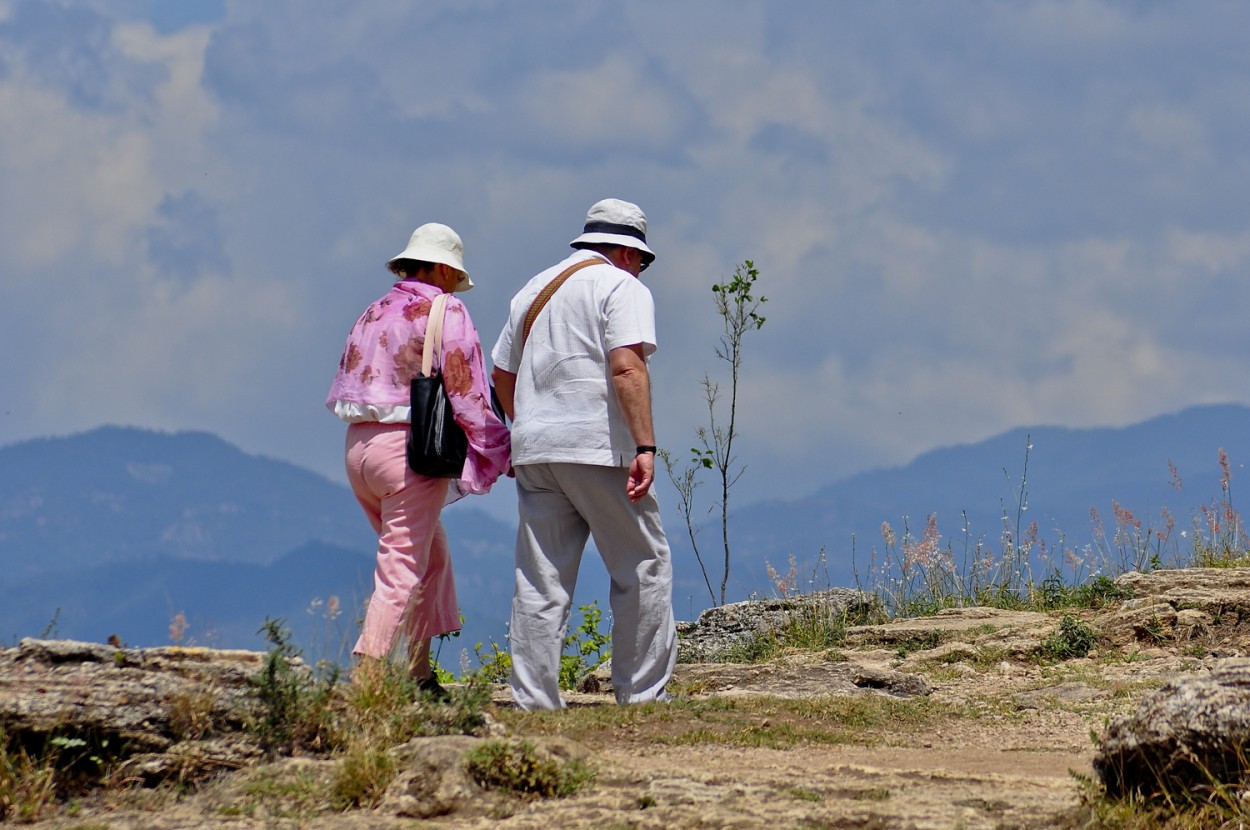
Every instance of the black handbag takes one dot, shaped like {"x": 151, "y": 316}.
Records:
{"x": 437, "y": 446}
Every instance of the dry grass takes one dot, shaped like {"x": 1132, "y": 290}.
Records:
{"x": 762, "y": 721}
{"x": 27, "y": 782}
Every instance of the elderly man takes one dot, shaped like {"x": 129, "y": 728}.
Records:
{"x": 571, "y": 371}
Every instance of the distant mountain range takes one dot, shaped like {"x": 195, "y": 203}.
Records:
{"x": 119, "y": 530}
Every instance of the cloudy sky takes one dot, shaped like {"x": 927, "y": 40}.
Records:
{"x": 968, "y": 216}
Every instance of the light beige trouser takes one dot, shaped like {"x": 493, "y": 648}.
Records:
{"x": 560, "y": 507}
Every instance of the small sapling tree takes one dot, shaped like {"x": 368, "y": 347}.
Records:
{"x": 738, "y": 308}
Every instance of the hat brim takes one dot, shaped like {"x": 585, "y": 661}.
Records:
{"x": 423, "y": 253}
{"x": 612, "y": 239}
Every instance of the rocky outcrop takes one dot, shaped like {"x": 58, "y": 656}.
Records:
{"x": 167, "y": 710}
{"x": 1181, "y": 605}
{"x": 790, "y": 677}
{"x": 793, "y": 678}
{"x": 1213, "y": 590}
{"x": 1185, "y": 737}
{"x": 956, "y": 629}
{"x": 723, "y": 632}
{"x": 433, "y": 781}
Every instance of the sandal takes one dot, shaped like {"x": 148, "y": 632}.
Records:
{"x": 430, "y": 687}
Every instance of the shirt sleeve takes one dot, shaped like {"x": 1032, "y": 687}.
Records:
{"x": 630, "y": 314}
{"x": 468, "y": 390}
{"x": 501, "y": 355}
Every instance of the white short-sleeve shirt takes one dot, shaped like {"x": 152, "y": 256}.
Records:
{"x": 565, "y": 404}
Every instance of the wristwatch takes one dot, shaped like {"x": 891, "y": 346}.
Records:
{"x": 649, "y": 448}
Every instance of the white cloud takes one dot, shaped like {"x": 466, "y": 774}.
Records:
{"x": 600, "y": 109}
{"x": 178, "y": 357}
{"x": 1169, "y": 130}
{"x": 961, "y": 338}
{"x": 1068, "y": 21}
{"x": 73, "y": 189}
{"x": 1213, "y": 252}
{"x": 82, "y": 183}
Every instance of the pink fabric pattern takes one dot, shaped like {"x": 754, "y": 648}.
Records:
{"x": 383, "y": 354}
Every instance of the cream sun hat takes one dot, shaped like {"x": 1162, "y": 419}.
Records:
{"x": 437, "y": 243}
{"x": 615, "y": 222}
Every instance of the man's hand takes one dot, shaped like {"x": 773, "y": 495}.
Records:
{"x": 641, "y": 474}
{"x": 633, "y": 391}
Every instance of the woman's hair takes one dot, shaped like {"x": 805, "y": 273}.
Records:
{"x": 409, "y": 268}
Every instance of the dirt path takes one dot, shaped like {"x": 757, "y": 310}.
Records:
{"x": 825, "y": 787}
{"x": 989, "y": 746}
{"x": 997, "y": 750}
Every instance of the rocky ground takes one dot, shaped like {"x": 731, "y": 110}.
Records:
{"x": 959, "y": 720}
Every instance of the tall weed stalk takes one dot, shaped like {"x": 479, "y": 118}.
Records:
{"x": 919, "y": 573}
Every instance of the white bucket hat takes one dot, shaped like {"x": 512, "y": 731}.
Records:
{"x": 433, "y": 242}
{"x": 615, "y": 222}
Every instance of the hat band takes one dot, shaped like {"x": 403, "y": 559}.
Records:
{"x": 612, "y": 227}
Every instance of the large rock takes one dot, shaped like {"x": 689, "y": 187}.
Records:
{"x": 1016, "y": 632}
{"x": 168, "y": 710}
{"x": 432, "y": 780}
{"x": 1189, "y": 734}
{"x": 721, "y": 631}
{"x": 1185, "y": 604}
{"x": 1217, "y": 591}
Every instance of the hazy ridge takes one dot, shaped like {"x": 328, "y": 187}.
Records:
{"x": 116, "y": 530}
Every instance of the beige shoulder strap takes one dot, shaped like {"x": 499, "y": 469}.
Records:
{"x": 433, "y": 334}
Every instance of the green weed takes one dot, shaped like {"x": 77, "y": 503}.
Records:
{"x": 1073, "y": 638}
{"x": 739, "y": 310}
{"x": 1156, "y": 631}
{"x": 1099, "y": 592}
{"x": 589, "y": 647}
{"x": 518, "y": 767}
{"x": 495, "y": 667}
{"x": 294, "y": 706}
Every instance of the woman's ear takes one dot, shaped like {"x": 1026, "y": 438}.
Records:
{"x": 447, "y": 277}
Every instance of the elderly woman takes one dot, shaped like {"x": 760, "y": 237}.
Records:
{"x": 414, "y": 589}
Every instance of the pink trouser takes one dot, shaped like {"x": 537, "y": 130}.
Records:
{"x": 413, "y": 584}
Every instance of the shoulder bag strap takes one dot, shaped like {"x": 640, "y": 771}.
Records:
{"x": 433, "y": 334}
{"x": 548, "y": 290}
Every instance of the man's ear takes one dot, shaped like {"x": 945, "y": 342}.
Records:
{"x": 625, "y": 255}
